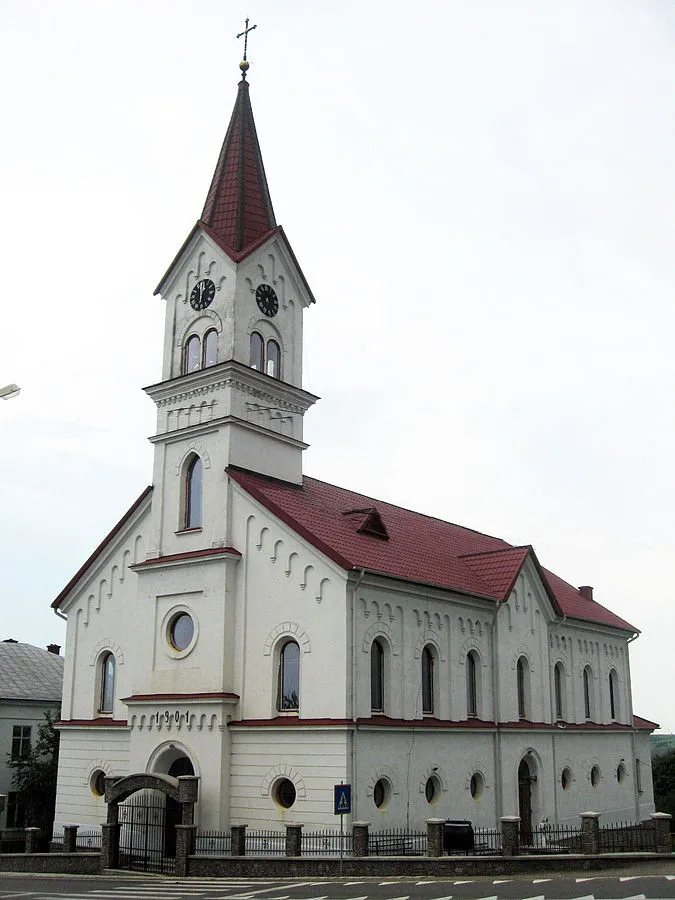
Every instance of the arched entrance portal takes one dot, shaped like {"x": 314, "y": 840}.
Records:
{"x": 178, "y": 768}
{"x": 526, "y": 778}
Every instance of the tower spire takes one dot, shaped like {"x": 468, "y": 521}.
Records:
{"x": 238, "y": 210}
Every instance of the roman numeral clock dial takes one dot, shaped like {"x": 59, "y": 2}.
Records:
{"x": 202, "y": 294}
{"x": 267, "y": 300}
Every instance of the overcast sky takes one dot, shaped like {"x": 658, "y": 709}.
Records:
{"x": 481, "y": 195}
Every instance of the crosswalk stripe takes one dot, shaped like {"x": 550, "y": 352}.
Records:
{"x": 538, "y": 897}
{"x": 540, "y": 880}
{"x": 418, "y": 883}
{"x": 502, "y": 881}
{"x": 494, "y": 897}
{"x": 462, "y": 882}
{"x": 350, "y": 883}
{"x": 628, "y": 877}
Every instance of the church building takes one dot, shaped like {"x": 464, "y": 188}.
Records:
{"x": 276, "y": 635}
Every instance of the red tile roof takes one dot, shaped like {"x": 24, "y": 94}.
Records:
{"x": 238, "y": 209}
{"x": 419, "y": 548}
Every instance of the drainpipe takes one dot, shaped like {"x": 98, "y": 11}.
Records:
{"x": 355, "y": 792}
{"x": 636, "y": 796}
{"x": 496, "y": 714}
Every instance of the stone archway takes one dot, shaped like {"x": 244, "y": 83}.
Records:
{"x": 182, "y": 791}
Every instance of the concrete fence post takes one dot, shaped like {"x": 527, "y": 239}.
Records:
{"x": 110, "y": 845}
{"x": 186, "y": 836}
{"x": 662, "y": 837}
{"x": 32, "y": 837}
{"x": 590, "y": 833}
{"x": 238, "y": 844}
{"x": 360, "y": 838}
{"x": 293, "y": 840}
{"x": 435, "y": 837}
{"x": 70, "y": 838}
{"x": 510, "y": 826}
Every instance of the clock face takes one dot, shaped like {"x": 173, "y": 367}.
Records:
{"x": 267, "y": 300}
{"x": 202, "y": 294}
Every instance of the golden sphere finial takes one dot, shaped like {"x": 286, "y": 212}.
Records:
{"x": 244, "y": 65}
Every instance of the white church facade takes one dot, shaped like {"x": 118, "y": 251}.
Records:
{"x": 276, "y": 635}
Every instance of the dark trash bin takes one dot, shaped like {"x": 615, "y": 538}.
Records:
{"x": 458, "y": 836}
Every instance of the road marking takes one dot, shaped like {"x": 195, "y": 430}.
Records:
{"x": 629, "y": 877}
{"x": 635, "y": 897}
{"x": 350, "y": 883}
{"x": 669, "y": 877}
{"x": 538, "y": 897}
{"x": 540, "y": 880}
{"x": 462, "y": 882}
{"x": 382, "y": 883}
{"x": 503, "y": 881}
{"x": 494, "y": 897}
{"x": 418, "y": 883}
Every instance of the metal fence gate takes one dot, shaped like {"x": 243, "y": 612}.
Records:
{"x": 148, "y": 833}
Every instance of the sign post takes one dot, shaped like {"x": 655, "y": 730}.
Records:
{"x": 342, "y": 806}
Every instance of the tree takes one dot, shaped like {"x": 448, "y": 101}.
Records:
{"x": 35, "y": 777}
{"x": 663, "y": 776}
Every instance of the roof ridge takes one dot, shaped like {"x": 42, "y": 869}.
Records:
{"x": 508, "y": 549}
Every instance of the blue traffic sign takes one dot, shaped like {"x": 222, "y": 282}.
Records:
{"x": 343, "y": 799}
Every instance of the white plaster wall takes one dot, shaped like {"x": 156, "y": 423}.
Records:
{"x": 313, "y": 759}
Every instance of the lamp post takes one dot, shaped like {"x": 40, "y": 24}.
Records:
{"x": 9, "y": 391}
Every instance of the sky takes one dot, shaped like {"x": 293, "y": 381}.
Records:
{"x": 481, "y": 195}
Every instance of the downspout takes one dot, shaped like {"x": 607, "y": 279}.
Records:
{"x": 355, "y": 792}
{"x": 499, "y": 800}
{"x": 636, "y": 795}
{"x": 553, "y": 733}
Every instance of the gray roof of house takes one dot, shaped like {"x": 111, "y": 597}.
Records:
{"x": 29, "y": 673}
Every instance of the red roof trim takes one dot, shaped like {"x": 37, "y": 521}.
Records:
{"x": 189, "y": 554}
{"x": 519, "y": 725}
{"x": 111, "y": 534}
{"x": 94, "y": 723}
{"x": 204, "y": 695}
{"x": 639, "y": 722}
{"x": 293, "y": 721}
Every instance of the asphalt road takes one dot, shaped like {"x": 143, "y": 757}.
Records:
{"x": 110, "y": 887}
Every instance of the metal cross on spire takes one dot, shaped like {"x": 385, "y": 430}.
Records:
{"x": 243, "y": 65}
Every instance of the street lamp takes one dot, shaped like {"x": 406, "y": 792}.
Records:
{"x": 9, "y": 391}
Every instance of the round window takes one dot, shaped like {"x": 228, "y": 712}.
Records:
{"x": 381, "y": 792}
{"x": 595, "y": 776}
{"x": 181, "y": 631}
{"x": 432, "y": 789}
{"x": 476, "y": 785}
{"x": 566, "y": 779}
{"x": 284, "y": 793}
{"x": 621, "y": 773}
{"x": 97, "y": 782}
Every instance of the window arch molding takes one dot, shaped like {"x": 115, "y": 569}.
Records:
{"x": 103, "y": 645}
{"x": 282, "y": 771}
{"x": 380, "y": 629}
{"x": 429, "y": 637}
{"x": 194, "y": 449}
{"x": 287, "y": 630}
{"x": 206, "y": 320}
{"x": 433, "y": 771}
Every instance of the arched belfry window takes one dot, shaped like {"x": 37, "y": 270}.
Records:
{"x": 107, "y": 695}
{"x": 472, "y": 684}
{"x": 273, "y": 359}
{"x": 288, "y": 692}
{"x": 192, "y": 359}
{"x": 523, "y": 685}
{"x": 193, "y": 494}
{"x": 558, "y": 692}
{"x": 613, "y": 695}
{"x": 210, "y": 349}
{"x": 257, "y": 351}
{"x": 588, "y": 693}
{"x": 376, "y": 677}
{"x": 427, "y": 681}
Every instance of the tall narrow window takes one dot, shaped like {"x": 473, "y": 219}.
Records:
{"x": 289, "y": 677}
{"x": 273, "y": 365}
{"x": 210, "y": 348}
{"x": 107, "y": 683}
{"x": 257, "y": 351}
{"x": 558, "y": 691}
{"x": 376, "y": 677}
{"x": 191, "y": 361}
{"x": 471, "y": 686}
{"x": 521, "y": 676}
{"x": 193, "y": 494}
{"x": 613, "y": 695}
{"x": 427, "y": 681}
{"x": 20, "y": 741}
{"x": 588, "y": 709}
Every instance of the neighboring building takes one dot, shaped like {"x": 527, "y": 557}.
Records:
{"x": 276, "y": 635}
{"x": 31, "y": 681}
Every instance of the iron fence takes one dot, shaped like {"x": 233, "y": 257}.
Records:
{"x": 552, "y": 839}
{"x": 213, "y": 843}
{"x": 147, "y": 839}
{"x": 626, "y": 837}
{"x": 487, "y": 842}
{"x": 397, "y": 842}
{"x": 327, "y": 842}
{"x": 88, "y": 840}
{"x": 265, "y": 843}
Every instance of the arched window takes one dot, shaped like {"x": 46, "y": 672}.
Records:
{"x": 613, "y": 695}
{"x": 192, "y": 359}
{"x": 193, "y": 494}
{"x": 523, "y": 679}
{"x": 289, "y": 677}
{"x": 376, "y": 677}
{"x": 210, "y": 348}
{"x": 427, "y": 681}
{"x": 257, "y": 351}
{"x": 273, "y": 366}
{"x": 107, "y": 698}
{"x": 471, "y": 685}
{"x": 588, "y": 685}
{"x": 558, "y": 695}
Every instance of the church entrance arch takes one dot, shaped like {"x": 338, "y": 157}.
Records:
{"x": 526, "y": 781}
{"x": 143, "y": 811}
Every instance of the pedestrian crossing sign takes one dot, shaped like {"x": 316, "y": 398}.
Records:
{"x": 343, "y": 799}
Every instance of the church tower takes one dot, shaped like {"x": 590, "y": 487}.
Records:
{"x": 231, "y": 391}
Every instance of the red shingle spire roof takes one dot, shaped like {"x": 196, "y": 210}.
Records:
{"x": 238, "y": 211}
